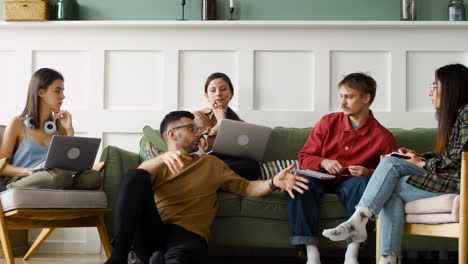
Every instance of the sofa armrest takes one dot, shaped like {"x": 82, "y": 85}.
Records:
{"x": 118, "y": 162}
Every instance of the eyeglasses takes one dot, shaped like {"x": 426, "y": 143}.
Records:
{"x": 434, "y": 86}
{"x": 194, "y": 128}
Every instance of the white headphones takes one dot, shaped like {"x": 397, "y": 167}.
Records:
{"x": 49, "y": 127}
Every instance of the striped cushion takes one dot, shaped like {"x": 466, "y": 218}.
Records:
{"x": 271, "y": 168}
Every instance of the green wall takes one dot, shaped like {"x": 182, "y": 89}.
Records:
{"x": 259, "y": 9}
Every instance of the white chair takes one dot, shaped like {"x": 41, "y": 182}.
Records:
{"x": 50, "y": 209}
{"x": 442, "y": 216}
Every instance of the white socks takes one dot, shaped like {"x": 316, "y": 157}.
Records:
{"x": 354, "y": 228}
{"x": 388, "y": 260}
{"x": 352, "y": 253}
{"x": 313, "y": 255}
{"x": 351, "y": 257}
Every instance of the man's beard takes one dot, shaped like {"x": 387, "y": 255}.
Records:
{"x": 190, "y": 148}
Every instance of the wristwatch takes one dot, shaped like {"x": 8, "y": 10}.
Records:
{"x": 272, "y": 185}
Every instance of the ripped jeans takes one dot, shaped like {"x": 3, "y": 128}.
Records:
{"x": 386, "y": 193}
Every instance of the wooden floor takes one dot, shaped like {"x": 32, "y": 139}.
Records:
{"x": 61, "y": 259}
{"x": 99, "y": 259}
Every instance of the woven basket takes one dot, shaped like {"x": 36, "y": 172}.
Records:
{"x": 26, "y": 10}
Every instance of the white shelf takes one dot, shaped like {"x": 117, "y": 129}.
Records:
{"x": 236, "y": 24}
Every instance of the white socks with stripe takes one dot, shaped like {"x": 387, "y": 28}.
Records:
{"x": 354, "y": 228}
{"x": 313, "y": 255}
{"x": 352, "y": 253}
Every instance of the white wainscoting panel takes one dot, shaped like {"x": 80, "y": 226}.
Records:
{"x": 75, "y": 68}
{"x": 11, "y": 88}
{"x": 284, "y": 80}
{"x": 127, "y": 141}
{"x": 123, "y": 75}
{"x": 419, "y": 83}
{"x": 374, "y": 63}
{"x": 133, "y": 80}
{"x": 195, "y": 66}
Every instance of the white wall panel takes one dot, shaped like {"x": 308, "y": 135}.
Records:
{"x": 195, "y": 66}
{"x": 10, "y": 84}
{"x": 284, "y": 80}
{"x": 133, "y": 80}
{"x": 122, "y": 75}
{"x": 421, "y": 67}
{"x": 127, "y": 141}
{"x": 374, "y": 63}
{"x": 75, "y": 68}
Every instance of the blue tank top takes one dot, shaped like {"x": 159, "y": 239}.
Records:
{"x": 29, "y": 154}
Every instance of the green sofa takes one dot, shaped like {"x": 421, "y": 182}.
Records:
{"x": 263, "y": 222}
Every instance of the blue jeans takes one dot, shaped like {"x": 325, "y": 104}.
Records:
{"x": 386, "y": 193}
{"x": 304, "y": 211}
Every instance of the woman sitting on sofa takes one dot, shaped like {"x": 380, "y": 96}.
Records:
{"x": 219, "y": 92}
{"x": 398, "y": 181}
{"x": 27, "y": 137}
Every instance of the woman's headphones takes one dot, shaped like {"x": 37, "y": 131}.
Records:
{"x": 49, "y": 127}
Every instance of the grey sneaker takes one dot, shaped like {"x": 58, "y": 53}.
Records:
{"x": 133, "y": 259}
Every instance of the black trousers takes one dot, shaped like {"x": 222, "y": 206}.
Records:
{"x": 138, "y": 225}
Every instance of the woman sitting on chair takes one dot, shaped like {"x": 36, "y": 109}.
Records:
{"x": 398, "y": 181}
{"x": 27, "y": 138}
{"x": 219, "y": 92}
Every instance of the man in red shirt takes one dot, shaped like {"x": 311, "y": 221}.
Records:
{"x": 347, "y": 144}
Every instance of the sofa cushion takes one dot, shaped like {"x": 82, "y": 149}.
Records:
{"x": 228, "y": 204}
{"x": 420, "y": 139}
{"x": 274, "y": 206}
{"x": 271, "y": 168}
{"x": 22, "y": 198}
{"x": 285, "y": 143}
{"x": 150, "y": 152}
{"x": 435, "y": 210}
{"x": 434, "y": 205}
{"x": 430, "y": 219}
{"x": 154, "y": 137}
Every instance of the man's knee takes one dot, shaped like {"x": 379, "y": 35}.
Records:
{"x": 136, "y": 177}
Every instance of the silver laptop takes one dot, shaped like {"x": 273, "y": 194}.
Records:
{"x": 71, "y": 153}
{"x": 240, "y": 139}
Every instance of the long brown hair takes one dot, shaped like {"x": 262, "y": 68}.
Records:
{"x": 41, "y": 79}
{"x": 453, "y": 96}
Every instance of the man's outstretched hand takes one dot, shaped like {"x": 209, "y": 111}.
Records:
{"x": 289, "y": 182}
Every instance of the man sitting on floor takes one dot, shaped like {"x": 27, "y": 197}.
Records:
{"x": 166, "y": 205}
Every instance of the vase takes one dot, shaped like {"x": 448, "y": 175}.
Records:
{"x": 208, "y": 9}
{"x": 408, "y": 9}
{"x": 67, "y": 10}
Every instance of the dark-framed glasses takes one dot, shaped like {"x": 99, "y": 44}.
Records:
{"x": 194, "y": 128}
{"x": 434, "y": 86}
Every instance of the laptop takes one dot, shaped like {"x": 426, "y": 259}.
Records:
{"x": 240, "y": 139}
{"x": 71, "y": 153}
